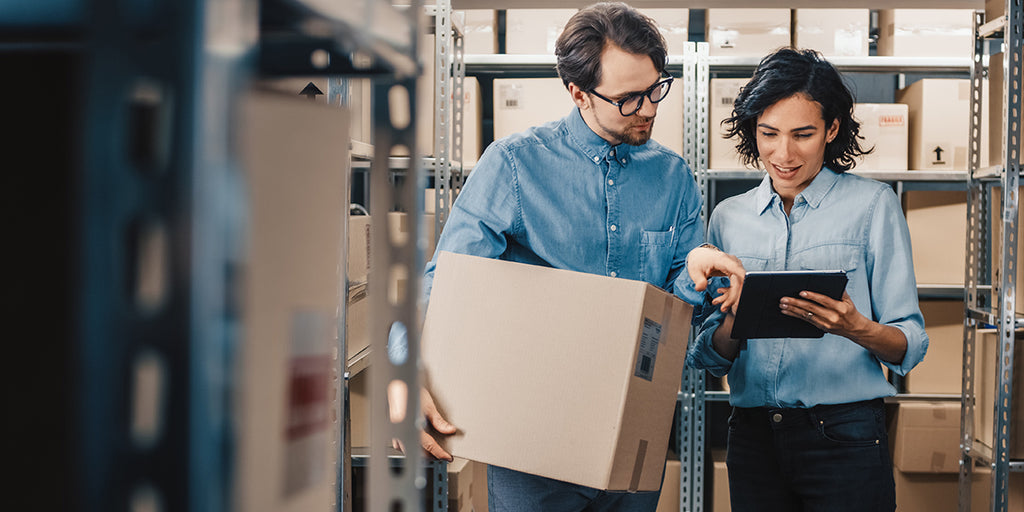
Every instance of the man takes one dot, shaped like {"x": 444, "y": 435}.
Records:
{"x": 591, "y": 193}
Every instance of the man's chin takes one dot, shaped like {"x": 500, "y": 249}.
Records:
{"x": 637, "y": 139}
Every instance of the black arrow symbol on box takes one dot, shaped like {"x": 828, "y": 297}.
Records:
{"x": 310, "y": 91}
{"x": 937, "y": 150}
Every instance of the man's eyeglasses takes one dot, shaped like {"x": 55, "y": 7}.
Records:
{"x": 631, "y": 104}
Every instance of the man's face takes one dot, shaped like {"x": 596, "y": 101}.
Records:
{"x": 622, "y": 74}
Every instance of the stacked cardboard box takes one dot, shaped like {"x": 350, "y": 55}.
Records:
{"x": 884, "y": 127}
{"x": 926, "y": 32}
{"x": 722, "y": 151}
{"x": 747, "y": 32}
{"x": 939, "y": 123}
{"x": 988, "y": 350}
{"x": 940, "y": 370}
{"x": 938, "y": 234}
{"x": 479, "y": 33}
{"x": 534, "y": 31}
{"x": 612, "y": 347}
{"x": 833, "y": 32}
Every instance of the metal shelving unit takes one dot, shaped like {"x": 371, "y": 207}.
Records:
{"x": 983, "y": 307}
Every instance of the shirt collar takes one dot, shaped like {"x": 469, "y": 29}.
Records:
{"x": 814, "y": 194}
{"x": 592, "y": 145}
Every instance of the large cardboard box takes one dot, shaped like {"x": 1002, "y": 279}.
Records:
{"x": 722, "y": 151}
{"x": 534, "y": 31}
{"x": 479, "y": 31}
{"x": 612, "y": 348}
{"x": 292, "y": 287}
{"x": 669, "y": 499}
{"x": 930, "y": 492}
{"x": 926, "y": 32}
{"x": 988, "y": 351}
{"x": 938, "y": 234}
{"x": 520, "y": 103}
{"x": 885, "y": 127}
{"x": 720, "y": 483}
{"x": 674, "y": 26}
{"x": 996, "y": 120}
{"x": 996, "y": 226}
{"x": 940, "y": 372}
{"x": 833, "y": 32}
{"x": 939, "y": 123}
{"x": 927, "y": 437}
{"x": 746, "y": 32}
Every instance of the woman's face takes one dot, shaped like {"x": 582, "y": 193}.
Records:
{"x": 791, "y": 138}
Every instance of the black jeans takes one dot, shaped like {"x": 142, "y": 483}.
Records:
{"x": 826, "y": 458}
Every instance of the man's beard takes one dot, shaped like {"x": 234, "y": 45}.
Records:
{"x": 630, "y": 136}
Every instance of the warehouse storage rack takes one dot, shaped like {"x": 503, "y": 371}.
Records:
{"x": 985, "y": 307}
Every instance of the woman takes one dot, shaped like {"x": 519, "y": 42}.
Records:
{"x": 807, "y": 431}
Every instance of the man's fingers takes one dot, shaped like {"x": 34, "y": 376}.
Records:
{"x": 434, "y": 449}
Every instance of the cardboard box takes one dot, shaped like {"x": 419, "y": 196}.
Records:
{"x": 720, "y": 483}
{"x": 674, "y": 26}
{"x": 926, "y": 32}
{"x": 462, "y": 485}
{"x": 996, "y": 120}
{"x": 927, "y": 437}
{"x": 996, "y": 267}
{"x": 988, "y": 351}
{"x": 479, "y": 497}
{"x": 358, "y": 248}
{"x": 833, "y": 32}
{"x": 471, "y": 123}
{"x": 938, "y": 234}
{"x": 285, "y": 444}
{"x": 939, "y": 123}
{"x": 534, "y": 31}
{"x": 359, "y": 409}
{"x": 613, "y": 348}
{"x": 994, "y": 9}
{"x": 479, "y": 33}
{"x": 722, "y": 151}
{"x": 885, "y": 127}
{"x": 981, "y": 490}
{"x": 669, "y": 499}
{"x": 746, "y": 32}
{"x": 929, "y": 492}
{"x": 940, "y": 371}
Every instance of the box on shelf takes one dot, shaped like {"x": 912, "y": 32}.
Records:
{"x": 988, "y": 350}
{"x": 290, "y": 157}
{"x": 994, "y": 96}
{"x": 939, "y": 123}
{"x": 833, "y": 32}
{"x": 534, "y": 31}
{"x": 613, "y": 348}
{"x": 746, "y": 32}
{"x": 359, "y": 409}
{"x": 940, "y": 370}
{"x": 994, "y": 9}
{"x": 925, "y": 437}
{"x": 674, "y": 26}
{"x": 479, "y": 34}
{"x": 358, "y": 248}
{"x": 937, "y": 220}
{"x": 720, "y": 483}
{"x": 471, "y": 123}
{"x": 885, "y": 127}
{"x": 926, "y": 32}
{"x": 520, "y": 103}
{"x": 462, "y": 485}
{"x": 669, "y": 499}
{"x": 721, "y": 151}
{"x": 928, "y": 492}
{"x": 996, "y": 225}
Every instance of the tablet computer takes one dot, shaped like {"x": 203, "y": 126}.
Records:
{"x": 758, "y": 314}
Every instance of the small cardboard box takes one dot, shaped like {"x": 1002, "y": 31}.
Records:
{"x": 937, "y": 220}
{"x": 585, "y": 369}
{"x": 722, "y": 151}
{"x": 927, "y": 437}
{"x": 939, "y": 372}
{"x": 929, "y": 492}
{"x": 939, "y": 123}
{"x": 885, "y": 127}
{"x": 462, "y": 485}
{"x": 988, "y": 351}
{"x": 534, "y": 31}
{"x": 926, "y": 32}
{"x": 747, "y": 32}
{"x": 669, "y": 499}
{"x": 479, "y": 35}
{"x": 833, "y": 32}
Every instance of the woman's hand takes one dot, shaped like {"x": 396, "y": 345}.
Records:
{"x": 842, "y": 318}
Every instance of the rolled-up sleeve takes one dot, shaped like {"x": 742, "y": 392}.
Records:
{"x": 891, "y": 274}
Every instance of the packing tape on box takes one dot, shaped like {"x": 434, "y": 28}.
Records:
{"x": 638, "y": 466}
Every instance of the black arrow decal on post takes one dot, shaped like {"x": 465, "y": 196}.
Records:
{"x": 310, "y": 91}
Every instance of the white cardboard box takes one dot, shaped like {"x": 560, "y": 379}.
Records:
{"x": 722, "y": 152}
{"x": 939, "y": 123}
{"x": 926, "y": 32}
{"x": 884, "y": 127}
{"x": 586, "y": 369}
{"x": 747, "y": 32}
{"x": 833, "y": 32}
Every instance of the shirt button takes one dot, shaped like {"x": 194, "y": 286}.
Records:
{"x": 776, "y": 417}
{"x": 613, "y": 273}
{"x": 611, "y": 153}
{"x": 611, "y": 182}
{"x": 613, "y": 228}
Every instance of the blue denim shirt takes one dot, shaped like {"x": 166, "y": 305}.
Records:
{"x": 839, "y": 222}
{"x": 558, "y": 195}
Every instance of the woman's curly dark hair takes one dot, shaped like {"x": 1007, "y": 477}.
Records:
{"x": 782, "y": 74}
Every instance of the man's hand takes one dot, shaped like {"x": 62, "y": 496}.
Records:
{"x": 397, "y": 400}
{"x": 705, "y": 262}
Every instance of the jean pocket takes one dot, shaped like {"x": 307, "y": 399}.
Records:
{"x": 859, "y": 426}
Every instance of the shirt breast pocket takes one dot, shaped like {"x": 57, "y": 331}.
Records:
{"x": 840, "y": 256}
{"x": 657, "y": 249}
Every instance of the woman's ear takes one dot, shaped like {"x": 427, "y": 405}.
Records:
{"x": 832, "y": 132}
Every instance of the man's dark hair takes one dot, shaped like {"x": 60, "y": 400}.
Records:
{"x": 782, "y": 74}
{"x": 587, "y": 33}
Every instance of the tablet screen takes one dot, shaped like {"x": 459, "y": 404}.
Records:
{"x": 758, "y": 314}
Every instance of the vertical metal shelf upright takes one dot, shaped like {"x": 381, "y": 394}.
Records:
{"x": 1000, "y": 310}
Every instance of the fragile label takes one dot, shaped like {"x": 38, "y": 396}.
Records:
{"x": 649, "y": 338}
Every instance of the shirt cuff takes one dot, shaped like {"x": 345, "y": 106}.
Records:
{"x": 702, "y": 354}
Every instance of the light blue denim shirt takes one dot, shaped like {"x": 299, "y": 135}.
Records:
{"x": 558, "y": 195}
{"x": 839, "y": 222}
